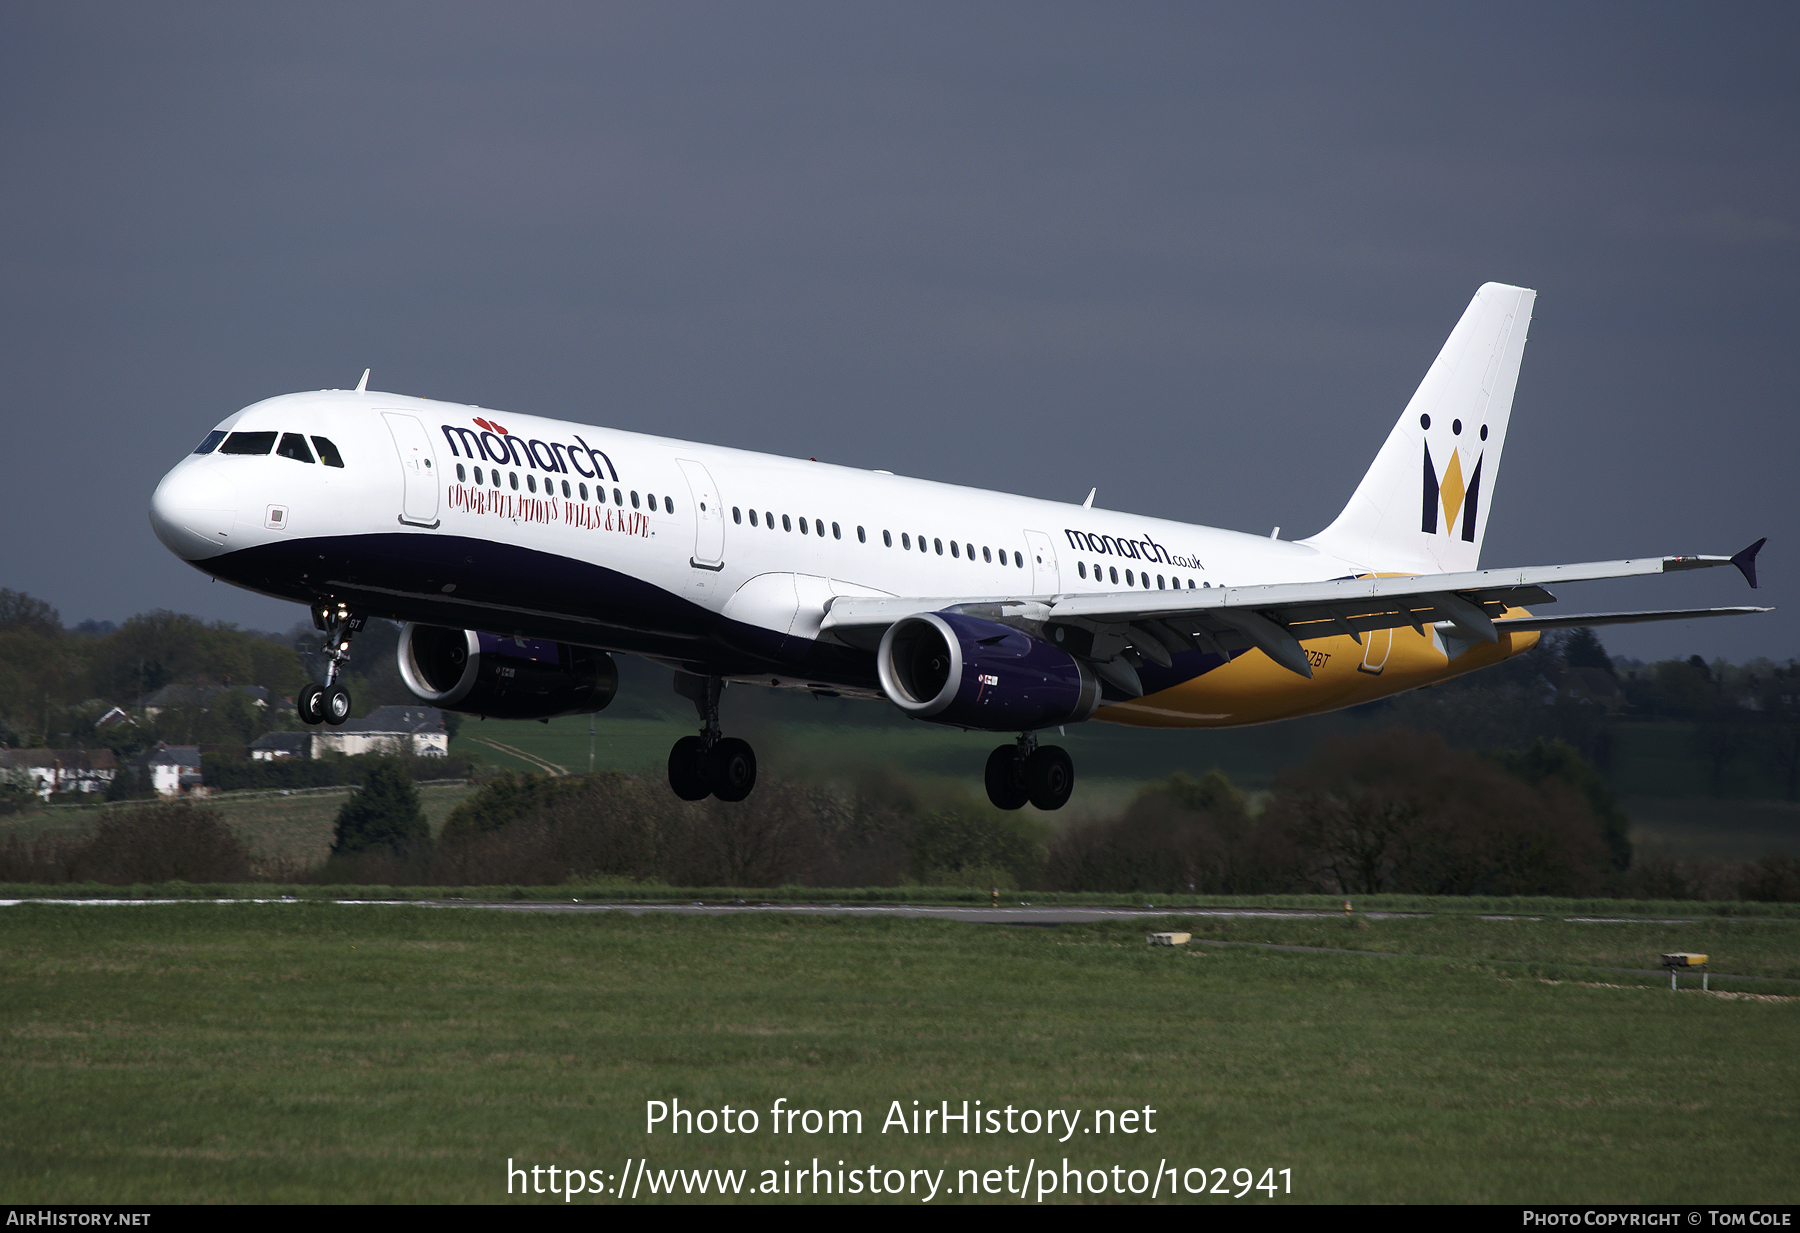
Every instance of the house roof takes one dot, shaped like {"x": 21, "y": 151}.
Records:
{"x": 187, "y": 756}
{"x": 200, "y": 695}
{"x": 398, "y": 721}
{"x": 71, "y": 759}
{"x": 293, "y": 742}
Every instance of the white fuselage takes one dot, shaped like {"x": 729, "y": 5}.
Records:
{"x": 777, "y": 540}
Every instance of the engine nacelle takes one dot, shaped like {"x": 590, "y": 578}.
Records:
{"x": 955, "y": 669}
{"x": 506, "y": 678}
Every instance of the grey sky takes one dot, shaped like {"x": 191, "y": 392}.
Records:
{"x": 1198, "y": 257}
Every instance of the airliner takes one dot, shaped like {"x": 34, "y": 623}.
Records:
{"x": 522, "y": 553}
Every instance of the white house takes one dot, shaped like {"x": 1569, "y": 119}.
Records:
{"x": 415, "y": 730}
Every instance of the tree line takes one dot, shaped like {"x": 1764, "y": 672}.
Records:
{"x": 1394, "y": 811}
{"x": 57, "y": 683}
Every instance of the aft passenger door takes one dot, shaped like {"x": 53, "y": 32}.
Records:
{"x": 418, "y": 465}
{"x": 709, "y": 517}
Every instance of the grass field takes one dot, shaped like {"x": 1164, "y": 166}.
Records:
{"x": 295, "y": 829}
{"x": 318, "y": 1052}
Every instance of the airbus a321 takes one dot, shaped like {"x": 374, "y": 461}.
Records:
{"x": 521, "y": 553}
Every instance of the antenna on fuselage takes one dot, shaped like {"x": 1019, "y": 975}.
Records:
{"x": 1089, "y": 503}
{"x": 362, "y": 387}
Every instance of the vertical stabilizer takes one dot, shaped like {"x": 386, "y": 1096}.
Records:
{"x": 1423, "y": 506}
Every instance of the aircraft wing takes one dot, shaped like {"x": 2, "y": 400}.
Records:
{"x": 1277, "y": 618}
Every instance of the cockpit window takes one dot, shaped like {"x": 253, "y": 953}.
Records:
{"x": 248, "y": 443}
{"x": 328, "y": 453}
{"x": 293, "y": 445}
{"x": 211, "y": 443}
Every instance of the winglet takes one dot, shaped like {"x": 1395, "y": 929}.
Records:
{"x": 362, "y": 387}
{"x": 1089, "y": 503}
{"x": 1746, "y": 561}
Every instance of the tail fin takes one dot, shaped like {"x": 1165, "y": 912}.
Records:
{"x": 1423, "y": 506}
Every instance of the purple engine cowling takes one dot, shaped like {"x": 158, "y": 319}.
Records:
{"x": 962, "y": 670}
{"x": 505, "y": 678}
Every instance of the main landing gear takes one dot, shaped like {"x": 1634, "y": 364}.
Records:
{"x": 330, "y": 703}
{"x": 1028, "y": 771}
{"x": 709, "y": 764}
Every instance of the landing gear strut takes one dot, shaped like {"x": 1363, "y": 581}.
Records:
{"x": 709, "y": 764}
{"x": 1027, "y": 771}
{"x": 330, "y": 703}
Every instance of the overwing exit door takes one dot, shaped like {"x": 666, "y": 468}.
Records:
{"x": 1040, "y": 558}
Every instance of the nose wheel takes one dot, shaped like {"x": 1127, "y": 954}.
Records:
{"x": 1043, "y": 775}
{"x": 330, "y": 703}
{"x": 709, "y": 764}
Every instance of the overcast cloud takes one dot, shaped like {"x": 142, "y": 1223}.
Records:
{"x": 1197, "y": 257}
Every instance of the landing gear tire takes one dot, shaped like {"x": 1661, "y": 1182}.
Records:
{"x": 1005, "y": 779}
{"x": 1049, "y": 777}
{"x": 311, "y": 706}
{"x": 731, "y": 769}
{"x": 336, "y": 705}
{"x": 687, "y": 770}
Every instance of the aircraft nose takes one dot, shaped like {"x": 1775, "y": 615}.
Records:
{"x": 192, "y": 512}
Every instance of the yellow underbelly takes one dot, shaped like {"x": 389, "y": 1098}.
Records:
{"x": 1253, "y": 689}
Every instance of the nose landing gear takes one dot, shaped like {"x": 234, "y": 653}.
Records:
{"x": 1041, "y": 774}
{"x": 709, "y": 764}
{"x": 330, "y": 703}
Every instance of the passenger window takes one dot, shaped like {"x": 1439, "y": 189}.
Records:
{"x": 939, "y": 545}
{"x": 634, "y": 500}
{"x": 293, "y": 445}
{"x": 531, "y": 482}
{"x": 752, "y": 517}
{"x": 970, "y": 548}
{"x": 835, "y": 533}
{"x": 668, "y": 505}
{"x": 923, "y": 548}
{"x": 1019, "y": 559}
{"x": 737, "y": 515}
{"x": 906, "y": 541}
{"x": 211, "y": 443}
{"x": 618, "y": 497}
{"x": 494, "y": 478}
{"x": 1129, "y": 580}
{"x": 887, "y": 539}
{"x": 1145, "y": 580}
{"x": 1081, "y": 568}
{"x": 248, "y": 443}
{"x": 787, "y": 524}
{"x": 1159, "y": 582}
{"x": 1114, "y": 573}
{"x": 582, "y": 488}
{"x": 461, "y": 476}
{"x": 955, "y": 550}
{"x": 802, "y": 526}
{"x": 513, "y": 478}
{"x": 987, "y": 554}
{"x": 768, "y": 520}
{"x": 565, "y": 488}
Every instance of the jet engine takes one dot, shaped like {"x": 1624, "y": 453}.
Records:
{"x": 962, "y": 670}
{"x": 506, "y": 678}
